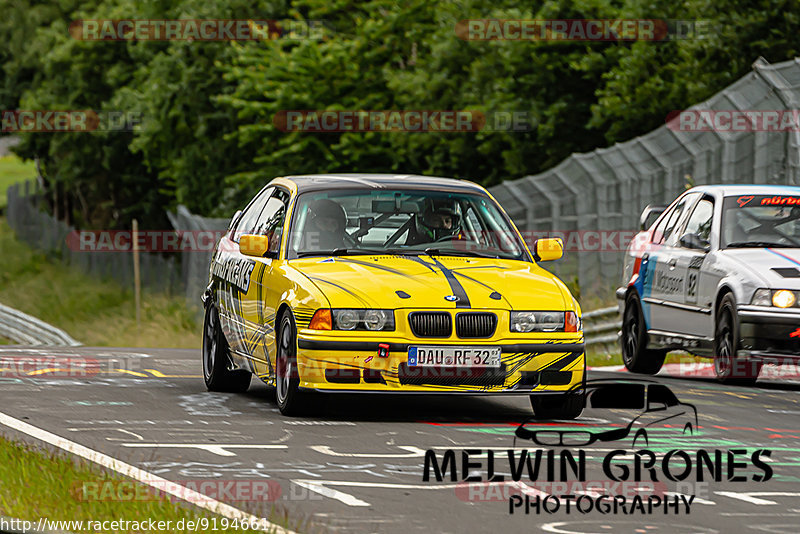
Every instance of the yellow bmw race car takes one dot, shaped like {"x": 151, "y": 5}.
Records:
{"x": 388, "y": 284}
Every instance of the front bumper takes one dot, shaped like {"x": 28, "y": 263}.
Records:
{"x": 532, "y": 366}
{"x": 769, "y": 334}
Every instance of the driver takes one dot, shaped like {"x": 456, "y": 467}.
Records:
{"x": 327, "y": 223}
{"x": 438, "y": 221}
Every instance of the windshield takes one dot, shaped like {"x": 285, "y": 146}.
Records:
{"x": 761, "y": 221}
{"x": 401, "y": 222}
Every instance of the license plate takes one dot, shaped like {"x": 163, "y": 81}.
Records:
{"x": 454, "y": 356}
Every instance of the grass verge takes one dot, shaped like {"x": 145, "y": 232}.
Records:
{"x": 38, "y": 483}
{"x": 13, "y": 170}
{"x": 599, "y": 357}
{"x": 96, "y": 313}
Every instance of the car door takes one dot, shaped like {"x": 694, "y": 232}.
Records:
{"x": 663, "y": 288}
{"x": 228, "y": 264}
{"x": 691, "y": 266}
{"x": 258, "y": 304}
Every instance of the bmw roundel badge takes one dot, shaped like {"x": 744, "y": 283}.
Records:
{"x": 451, "y": 298}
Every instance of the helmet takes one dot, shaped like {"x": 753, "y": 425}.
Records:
{"x": 327, "y": 209}
{"x": 438, "y": 220}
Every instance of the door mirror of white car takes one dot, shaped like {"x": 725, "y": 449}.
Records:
{"x": 649, "y": 215}
{"x": 694, "y": 242}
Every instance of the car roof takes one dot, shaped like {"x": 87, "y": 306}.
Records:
{"x": 747, "y": 189}
{"x": 316, "y": 182}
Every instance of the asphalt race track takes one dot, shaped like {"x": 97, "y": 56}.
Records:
{"x": 356, "y": 463}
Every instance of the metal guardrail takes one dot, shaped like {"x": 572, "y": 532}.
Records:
{"x": 27, "y": 329}
{"x": 601, "y": 326}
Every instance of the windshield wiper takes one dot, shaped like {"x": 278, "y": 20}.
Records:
{"x": 340, "y": 252}
{"x": 467, "y": 253}
{"x": 759, "y": 244}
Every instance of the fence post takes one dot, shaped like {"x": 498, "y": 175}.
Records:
{"x": 137, "y": 283}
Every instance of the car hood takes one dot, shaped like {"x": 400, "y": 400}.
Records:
{"x": 430, "y": 282}
{"x": 774, "y": 268}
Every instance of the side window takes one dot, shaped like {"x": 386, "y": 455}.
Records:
{"x": 700, "y": 220}
{"x": 272, "y": 218}
{"x": 668, "y": 223}
{"x": 673, "y": 231}
{"x": 658, "y": 231}
{"x": 248, "y": 220}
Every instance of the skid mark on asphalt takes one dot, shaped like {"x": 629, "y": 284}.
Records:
{"x": 207, "y": 404}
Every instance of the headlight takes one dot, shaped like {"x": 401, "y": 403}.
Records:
{"x": 762, "y": 297}
{"x": 783, "y": 298}
{"x": 345, "y": 319}
{"x": 375, "y": 319}
{"x": 545, "y": 321}
{"x": 780, "y": 298}
{"x": 354, "y": 319}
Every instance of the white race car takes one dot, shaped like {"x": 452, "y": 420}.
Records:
{"x": 716, "y": 274}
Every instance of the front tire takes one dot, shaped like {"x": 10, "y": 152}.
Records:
{"x": 287, "y": 378}
{"x": 728, "y": 368}
{"x": 567, "y": 406}
{"x": 216, "y": 358}
{"x": 635, "y": 354}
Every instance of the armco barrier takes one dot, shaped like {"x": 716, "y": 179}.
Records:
{"x": 27, "y": 329}
{"x": 601, "y": 326}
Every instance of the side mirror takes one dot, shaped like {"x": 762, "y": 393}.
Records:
{"x": 255, "y": 245}
{"x": 548, "y": 249}
{"x": 694, "y": 241}
{"x": 649, "y": 215}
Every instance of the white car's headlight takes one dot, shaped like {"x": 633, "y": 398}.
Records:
{"x": 356, "y": 319}
{"x": 779, "y": 298}
{"x": 762, "y": 297}
{"x": 545, "y": 321}
{"x": 783, "y": 298}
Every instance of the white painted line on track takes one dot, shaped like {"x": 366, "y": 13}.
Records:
{"x": 413, "y": 452}
{"x": 753, "y": 496}
{"x": 217, "y": 448}
{"x": 154, "y": 481}
{"x": 317, "y": 487}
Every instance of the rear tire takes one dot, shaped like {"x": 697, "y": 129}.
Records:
{"x": 217, "y": 360}
{"x": 287, "y": 379}
{"x": 728, "y": 368}
{"x": 635, "y": 354}
{"x": 566, "y": 406}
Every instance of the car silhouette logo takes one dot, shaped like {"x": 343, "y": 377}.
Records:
{"x": 654, "y": 404}
{"x": 451, "y": 298}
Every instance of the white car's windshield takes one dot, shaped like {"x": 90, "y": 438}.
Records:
{"x": 761, "y": 221}
{"x": 401, "y": 222}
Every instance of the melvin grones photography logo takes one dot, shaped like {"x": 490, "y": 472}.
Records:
{"x": 634, "y": 451}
